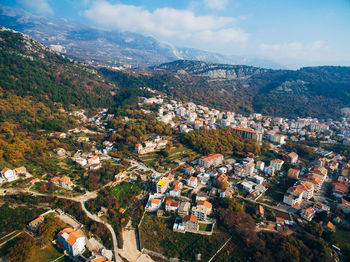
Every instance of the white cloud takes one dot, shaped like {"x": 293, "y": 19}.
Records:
{"x": 312, "y": 50}
{"x": 167, "y": 23}
{"x": 37, "y": 6}
{"x": 216, "y": 4}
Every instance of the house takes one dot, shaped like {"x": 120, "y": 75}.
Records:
{"x": 72, "y": 241}
{"x": 308, "y": 213}
{"x": 59, "y": 134}
{"x": 192, "y": 181}
{"x": 184, "y": 209}
{"x": 249, "y": 168}
{"x": 82, "y": 139}
{"x": 62, "y": 181}
{"x": 8, "y": 175}
{"x": 202, "y": 210}
{"x": 293, "y": 197}
{"x": 81, "y": 161}
{"x": 293, "y": 173}
{"x": 176, "y": 189}
{"x": 189, "y": 170}
{"x": 248, "y": 186}
{"x": 35, "y": 223}
{"x": 315, "y": 180}
{"x": 260, "y": 211}
{"x": 344, "y": 206}
{"x": 211, "y": 160}
{"x": 225, "y": 193}
{"x": 260, "y": 165}
{"x": 269, "y": 170}
{"x": 162, "y": 185}
{"x": 291, "y": 158}
{"x": 120, "y": 177}
{"x": 277, "y": 164}
{"x": 20, "y": 170}
{"x": 93, "y": 160}
{"x": 95, "y": 166}
{"x": 191, "y": 223}
{"x": 320, "y": 207}
{"x": 239, "y": 171}
{"x": 331, "y": 227}
{"x": 258, "y": 179}
{"x": 171, "y": 205}
{"x": 154, "y": 202}
{"x": 277, "y": 139}
{"x": 340, "y": 189}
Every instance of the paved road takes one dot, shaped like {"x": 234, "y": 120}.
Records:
{"x": 110, "y": 228}
{"x": 81, "y": 200}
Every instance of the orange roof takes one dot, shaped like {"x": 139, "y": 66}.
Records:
{"x": 67, "y": 230}
{"x": 189, "y": 168}
{"x": 37, "y": 220}
{"x": 73, "y": 236}
{"x": 292, "y": 154}
{"x": 246, "y": 130}
{"x": 340, "y": 187}
{"x": 280, "y": 219}
{"x": 5, "y": 170}
{"x": 310, "y": 210}
{"x": 211, "y": 157}
{"x": 345, "y": 202}
{"x": 172, "y": 203}
{"x": 204, "y": 203}
{"x": 261, "y": 209}
{"x": 155, "y": 201}
{"x": 294, "y": 171}
{"x": 192, "y": 178}
{"x": 21, "y": 169}
{"x": 191, "y": 218}
{"x": 277, "y": 160}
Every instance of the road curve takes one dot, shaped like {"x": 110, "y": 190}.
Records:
{"x": 110, "y": 228}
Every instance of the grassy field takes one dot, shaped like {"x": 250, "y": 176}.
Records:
{"x": 46, "y": 254}
{"x": 278, "y": 188}
{"x": 205, "y": 227}
{"x": 125, "y": 190}
{"x": 157, "y": 235}
{"x": 342, "y": 240}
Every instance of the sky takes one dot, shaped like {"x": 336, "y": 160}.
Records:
{"x": 293, "y": 33}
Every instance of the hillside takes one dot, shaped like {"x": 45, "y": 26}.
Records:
{"x": 29, "y": 69}
{"x": 37, "y": 90}
{"x": 311, "y": 91}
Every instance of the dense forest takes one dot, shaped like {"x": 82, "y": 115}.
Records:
{"x": 223, "y": 140}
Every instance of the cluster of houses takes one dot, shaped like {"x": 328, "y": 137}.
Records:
{"x": 90, "y": 161}
{"x": 151, "y": 146}
{"x": 9, "y": 175}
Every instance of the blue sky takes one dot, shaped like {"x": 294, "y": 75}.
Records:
{"x": 293, "y": 33}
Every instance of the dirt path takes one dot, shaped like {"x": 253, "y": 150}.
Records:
{"x": 130, "y": 251}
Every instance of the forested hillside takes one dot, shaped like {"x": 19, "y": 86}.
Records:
{"x": 37, "y": 88}
{"x": 311, "y": 91}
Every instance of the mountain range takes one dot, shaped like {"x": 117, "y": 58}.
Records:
{"x": 111, "y": 48}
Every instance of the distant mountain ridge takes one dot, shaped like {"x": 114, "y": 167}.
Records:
{"x": 311, "y": 91}
{"x": 110, "y": 47}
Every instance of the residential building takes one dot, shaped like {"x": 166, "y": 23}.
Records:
{"x": 20, "y": 170}
{"x": 60, "y": 151}
{"x": 191, "y": 223}
{"x": 269, "y": 170}
{"x": 8, "y": 175}
{"x": 189, "y": 170}
{"x": 344, "y": 206}
{"x": 249, "y": 133}
{"x": 162, "y": 185}
{"x": 308, "y": 213}
{"x": 202, "y": 210}
{"x": 277, "y": 139}
{"x": 211, "y": 160}
{"x": 293, "y": 173}
{"x": 171, "y": 205}
{"x": 277, "y": 164}
{"x": 225, "y": 193}
{"x": 291, "y": 158}
{"x": 35, "y": 223}
{"x": 62, "y": 181}
{"x": 260, "y": 165}
{"x": 184, "y": 209}
{"x": 72, "y": 241}
{"x": 192, "y": 181}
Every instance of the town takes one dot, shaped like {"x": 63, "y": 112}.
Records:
{"x": 284, "y": 186}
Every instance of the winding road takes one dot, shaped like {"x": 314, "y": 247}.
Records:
{"x": 81, "y": 199}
